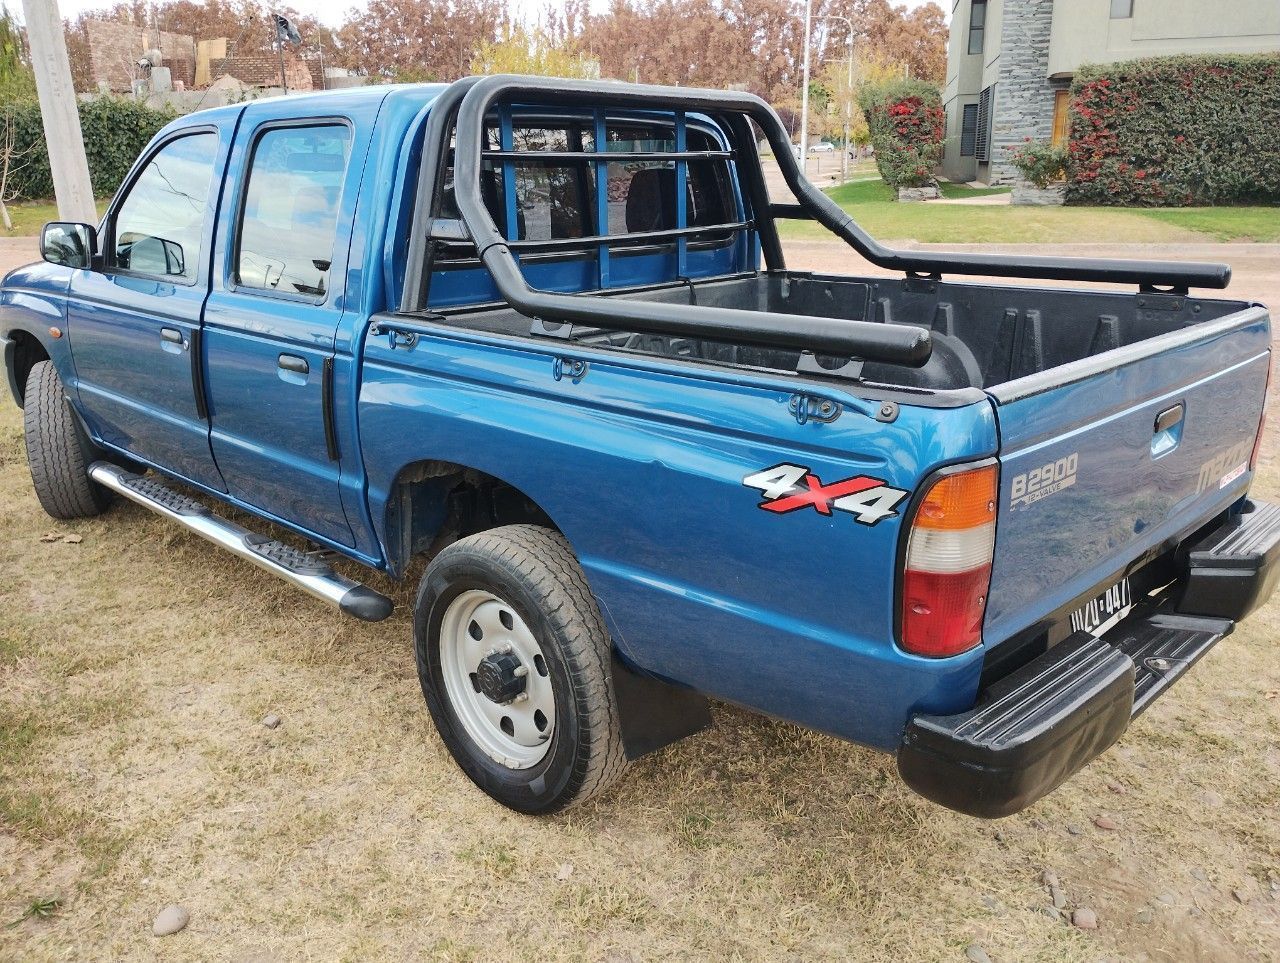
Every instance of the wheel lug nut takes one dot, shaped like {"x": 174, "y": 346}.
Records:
{"x": 522, "y": 697}
{"x": 521, "y": 672}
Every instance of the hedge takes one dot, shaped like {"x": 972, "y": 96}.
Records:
{"x": 1176, "y": 131}
{"x": 906, "y": 123}
{"x": 115, "y": 132}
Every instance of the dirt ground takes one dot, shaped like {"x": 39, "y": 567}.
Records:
{"x": 136, "y": 663}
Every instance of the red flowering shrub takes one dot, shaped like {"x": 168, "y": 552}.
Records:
{"x": 906, "y": 123}
{"x": 1176, "y": 131}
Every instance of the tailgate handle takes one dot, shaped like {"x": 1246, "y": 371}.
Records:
{"x": 1168, "y": 418}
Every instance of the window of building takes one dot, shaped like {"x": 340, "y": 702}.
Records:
{"x": 1061, "y": 115}
{"x": 969, "y": 130}
{"x": 977, "y": 25}
{"x": 1121, "y": 9}
{"x": 290, "y": 215}
{"x": 982, "y": 142}
{"x": 159, "y": 229}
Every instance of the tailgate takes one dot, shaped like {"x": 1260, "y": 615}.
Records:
{"x": 1107, "y": 458}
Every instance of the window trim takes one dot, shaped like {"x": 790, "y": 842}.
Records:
{"x": 231, "y": 280}
{"x": 107, "y": 236}
{"x": 980, "y": 29}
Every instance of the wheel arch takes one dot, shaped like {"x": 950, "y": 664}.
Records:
{"x": 22, "y": 352}
{"x": 433, "y": 502}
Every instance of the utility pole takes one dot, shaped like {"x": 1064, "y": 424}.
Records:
{"x": 804, "y": 93}
{"x": 58, "y": 112}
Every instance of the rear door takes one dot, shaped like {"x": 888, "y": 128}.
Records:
{"x": 1109, "y": 458}
{"x": 134, "y": 327}
{"x": 275, "y": 306}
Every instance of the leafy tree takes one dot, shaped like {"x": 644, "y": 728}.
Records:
{"x": 839, "y": 95}
{"x": 16, "y": 79}
{"x": 524, "y": 51}
{"x": 400, "y": 39}
{"x": 906, "y": 122}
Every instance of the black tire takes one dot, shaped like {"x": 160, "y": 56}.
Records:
{"x": 533, "y": 570}
{"x": 58, "y": 451}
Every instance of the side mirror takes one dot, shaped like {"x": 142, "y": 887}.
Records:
{"x": 71, "y": 245}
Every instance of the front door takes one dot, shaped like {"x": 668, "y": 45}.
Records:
{"x": 272, "y": 317}
{"x": 134, "y": 327}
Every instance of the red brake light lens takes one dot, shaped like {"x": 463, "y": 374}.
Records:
{"x": 948, "y": 564}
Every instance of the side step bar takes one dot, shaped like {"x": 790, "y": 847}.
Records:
{"x": 309, "y": 571}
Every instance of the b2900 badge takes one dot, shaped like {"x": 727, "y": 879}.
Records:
{"x": 788, "y": 488}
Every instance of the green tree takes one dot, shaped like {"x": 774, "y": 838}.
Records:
{"x": 524, "y": 51}
{"x": 16, "y": 79}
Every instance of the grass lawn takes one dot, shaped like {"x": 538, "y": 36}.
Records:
{"x": 872, "y": 203}
{"x": 29, "y": 216}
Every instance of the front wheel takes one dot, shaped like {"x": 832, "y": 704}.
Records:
{"x": 514, "y": 659}
{"x": 58, "y": 450}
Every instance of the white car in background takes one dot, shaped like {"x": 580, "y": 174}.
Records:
{"x": 822, "y": 147}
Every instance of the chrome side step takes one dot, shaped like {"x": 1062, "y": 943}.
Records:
{"x": 309, "y": 571}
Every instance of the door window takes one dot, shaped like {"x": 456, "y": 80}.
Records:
{"x": 159, "y": 229}
{"x": 290, "y": 216}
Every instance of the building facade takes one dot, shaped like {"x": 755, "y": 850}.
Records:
{"x": 1010, "y": 62}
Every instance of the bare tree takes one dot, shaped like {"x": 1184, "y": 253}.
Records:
{"x": 12, "y": 160}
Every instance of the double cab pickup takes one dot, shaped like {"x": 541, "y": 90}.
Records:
{"x": 537, "y": 339}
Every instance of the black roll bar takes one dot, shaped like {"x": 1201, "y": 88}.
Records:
{"x": 471, "y": 101}
{"x": 900, "y": 344}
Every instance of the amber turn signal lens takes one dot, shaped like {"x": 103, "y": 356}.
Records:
{"x": 963, "y": 500}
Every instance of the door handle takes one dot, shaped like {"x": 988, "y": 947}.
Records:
{"x": 291, "y": 362}
{"x": 1168, "y": 418}
{"x": 173, "y": 336}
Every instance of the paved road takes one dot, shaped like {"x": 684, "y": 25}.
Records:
{"x": 1256, "y": 266}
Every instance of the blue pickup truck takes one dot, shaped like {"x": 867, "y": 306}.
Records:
{"x": 538, "y": 340}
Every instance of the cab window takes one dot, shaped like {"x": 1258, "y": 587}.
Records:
{"x": 159, "y": 228}
{"x": 290, "y": 215}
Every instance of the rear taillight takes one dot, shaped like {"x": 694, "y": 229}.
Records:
{"x": 947, "y": 569}
{"x": 1262, "y": 422}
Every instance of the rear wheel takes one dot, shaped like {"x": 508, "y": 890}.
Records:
{"x": 514, "y": 659}
{"x": 58, "y": 450}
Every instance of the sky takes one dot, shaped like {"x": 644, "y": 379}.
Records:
{"x": 331, "y": 12}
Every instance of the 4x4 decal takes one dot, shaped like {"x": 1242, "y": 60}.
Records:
{"x": 788, "y": 488}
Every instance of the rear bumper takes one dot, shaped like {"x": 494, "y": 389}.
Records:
{"x": 1038, "y": 726}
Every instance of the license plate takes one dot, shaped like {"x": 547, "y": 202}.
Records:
{"x": 1100, "y": 614}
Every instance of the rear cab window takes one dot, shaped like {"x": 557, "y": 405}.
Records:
{"x": 545, "y": 204}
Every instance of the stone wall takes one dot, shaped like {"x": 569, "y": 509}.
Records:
{"x": 1024, "y": 97}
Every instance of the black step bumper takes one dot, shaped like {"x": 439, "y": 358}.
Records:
{"x": 1038, "y": 726}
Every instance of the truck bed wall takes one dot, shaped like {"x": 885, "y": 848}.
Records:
{"x": 984, "y": 335}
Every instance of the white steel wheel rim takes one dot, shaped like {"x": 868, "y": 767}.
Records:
{"x": 516, "y": 734}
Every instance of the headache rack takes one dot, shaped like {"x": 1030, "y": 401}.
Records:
{"x": 462, "y": 111}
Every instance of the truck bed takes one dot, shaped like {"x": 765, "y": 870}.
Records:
{"x": 983, "y": 335}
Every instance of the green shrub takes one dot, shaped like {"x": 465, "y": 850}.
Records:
{"x": 1174, "y": 131}
{"x": 115, "y": 132}
{"x": 1039, "y": 161}
{"x": 906, "y": 123}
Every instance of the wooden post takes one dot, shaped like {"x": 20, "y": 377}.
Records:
{"x": 58, "y": 111}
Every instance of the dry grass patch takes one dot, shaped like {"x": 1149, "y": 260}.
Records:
{"x": 135, "y": 668}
